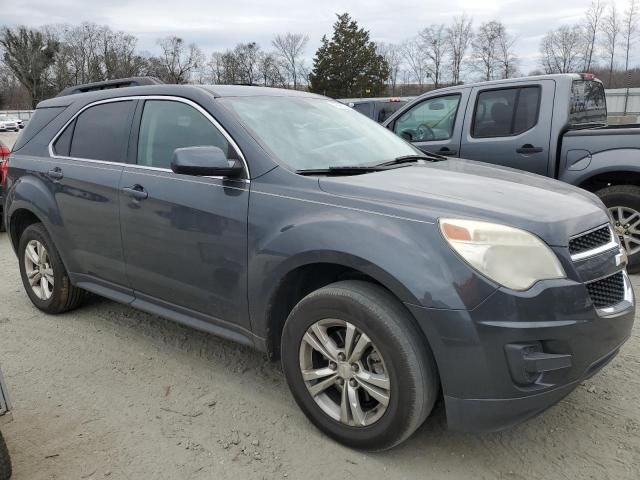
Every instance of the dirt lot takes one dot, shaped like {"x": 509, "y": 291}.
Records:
{"x": 110, "y": 392}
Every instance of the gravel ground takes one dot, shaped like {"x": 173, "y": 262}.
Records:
{"x": 110, "y": 392}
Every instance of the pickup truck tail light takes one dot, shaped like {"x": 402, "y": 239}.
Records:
{"x": 4, "y": 164}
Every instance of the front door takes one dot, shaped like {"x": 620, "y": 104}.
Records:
{"x": 184, "y": 237}
{"x": 510, "y": 126}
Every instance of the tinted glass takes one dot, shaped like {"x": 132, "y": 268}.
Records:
{"x": 62, "y": 146}
{"x": 385, "y": 110}
{"x": 102, "y": 132}
{"x": 316, "y": 133}
{"x": 505, "y": 112}
{"x": 588, "y": 103}
{"x": 40, "y": 119}
{"x": 432, "y": 119}
{"x": 167, "y": 125}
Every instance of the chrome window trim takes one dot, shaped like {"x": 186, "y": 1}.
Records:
{"x": 172, "y": 98}
{"x": 598, "y": 250}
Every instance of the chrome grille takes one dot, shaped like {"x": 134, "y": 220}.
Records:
{"x": 590, "y": 240}
{"x": 608, "y": 291}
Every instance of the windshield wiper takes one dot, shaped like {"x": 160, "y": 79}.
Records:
{"x": 342, "y": 170}
{"x": 432, "y": 157}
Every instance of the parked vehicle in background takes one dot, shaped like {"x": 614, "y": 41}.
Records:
{"x": 5, "y": 417}
{"x": 552, "y": 125}
{"x": 287, "y": 221}
{"x": 8, "y": 125}
{"x": 378, "y": 109}
{"x": 4, "y": 167}
{"x": 10, "y": 118}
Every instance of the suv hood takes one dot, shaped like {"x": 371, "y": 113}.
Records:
{"x": 551, "y": 209}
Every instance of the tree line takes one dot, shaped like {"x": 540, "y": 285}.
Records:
{"x": 36, "y": 63}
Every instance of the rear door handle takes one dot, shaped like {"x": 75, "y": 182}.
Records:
{"x": 136, "y": 191}
{"x": 55, "y": 174}
{"x": 447, "y": 151}
{"x": 528, "y": 148}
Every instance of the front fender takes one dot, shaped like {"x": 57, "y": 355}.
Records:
{"x": 409, "y": 258}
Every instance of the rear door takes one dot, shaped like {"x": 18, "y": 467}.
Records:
{"x": 435, "y": 123}
{"x": 185, "y": 237}
{"x": 510, "y": 126}
{"x": 88, "y": 158}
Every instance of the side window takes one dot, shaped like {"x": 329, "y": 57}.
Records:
{"x": 167, "y": 125}
{"x": 505, "y": 112}
{"x": 432, "y": 119}
{"x": 100, "y": 132}
{"x": 62, "y": 145}
{"x": 363, "y": 108}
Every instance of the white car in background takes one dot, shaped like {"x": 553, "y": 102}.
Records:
{"x": 8, "y": 124}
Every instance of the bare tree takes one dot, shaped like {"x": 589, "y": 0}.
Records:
{"x": 290, "y": 48}
{"x": 611, "y": 30}
{"x": 592, "y": 24}
{"x": 247, "y": 56}
{"x": 392, "y": 54}
{"x": 629, "y": 29}
{"x": 416, "y": 59}
{"x": 486, "y": 48}
{"x": 560, "y": 50}
{"x": 178, "y": 60}
{"x": 459, "y": 36}
{"x": 434, "y": 44}
{"x": 507, "y": 59}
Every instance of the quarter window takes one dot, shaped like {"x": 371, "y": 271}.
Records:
{"x": 430, "y": 120}
{"x": 100, "y": 132}
{"x": 167, "y": 125}
{"x": 505, "y": 112}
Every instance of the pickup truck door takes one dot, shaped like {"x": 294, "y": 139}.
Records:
{"x": 510, "y": 125}
{"x": 434, "y": 124}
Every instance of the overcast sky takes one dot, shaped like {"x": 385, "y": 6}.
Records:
{"x": 217, "y": 25}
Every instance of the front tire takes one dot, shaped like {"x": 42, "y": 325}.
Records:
{"x": 43, "y": 274}
{"x": 358, "y": 366}
{"x": 623, "y": 202}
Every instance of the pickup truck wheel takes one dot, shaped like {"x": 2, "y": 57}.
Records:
{"x": 5, "y": 460}
{"x": 43, "y": 274}
{"x": 623, "y": 202}
{"x": 358, "y": 366}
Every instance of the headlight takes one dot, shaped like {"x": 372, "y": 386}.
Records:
{"x": 509, "y": 256}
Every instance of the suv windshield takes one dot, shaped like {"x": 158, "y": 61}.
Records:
{"x": 315, "y": 133}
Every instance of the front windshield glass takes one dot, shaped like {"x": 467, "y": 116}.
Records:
{"x": 315, "y": 133}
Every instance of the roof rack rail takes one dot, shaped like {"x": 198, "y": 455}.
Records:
{"x": 108, "y": 84}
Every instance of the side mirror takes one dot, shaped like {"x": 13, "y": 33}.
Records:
{"x": 205, "y": 162}
{"x": 405, "y": 135}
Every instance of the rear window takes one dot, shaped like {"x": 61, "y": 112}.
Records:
{"x": 588, "y": 103}
{"x": 40, "y": 119}
{"x": 506, "y": 112}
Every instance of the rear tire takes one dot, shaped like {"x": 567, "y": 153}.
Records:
{"x": 627, "y": 199}
{"x": 5, "y": 460}
{"x": 402, "y": 354}
{"x": 57, "y": 295}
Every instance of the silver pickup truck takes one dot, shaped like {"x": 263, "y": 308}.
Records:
{"x": 552, "y": 125}
{"x": 5, "y": 416}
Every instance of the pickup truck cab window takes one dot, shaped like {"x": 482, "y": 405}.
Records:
{"x": 167, "y": 125}
{"x": 505, "y": 112}
{"x": 430, "y": 120}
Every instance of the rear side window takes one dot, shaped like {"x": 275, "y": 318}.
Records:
{"x": 588, "y": 103}
{"x": 39, "y": 119}
{"x": 362, "y": 108}
{"x": 100, "y": 132}
{"x": 505, "y": 112}
{"x": 167, "y": 125}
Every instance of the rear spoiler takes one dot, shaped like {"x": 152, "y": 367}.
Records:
{"x": 108, "y": 84}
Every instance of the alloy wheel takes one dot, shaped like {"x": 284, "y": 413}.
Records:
{"x": 344, "y": 373}
{"x": 627, "y": 226}
{"x": 38, "y": 269}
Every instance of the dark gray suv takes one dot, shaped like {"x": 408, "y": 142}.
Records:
{"x": 381, "y": 276}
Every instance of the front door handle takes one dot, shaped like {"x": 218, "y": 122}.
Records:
{"x": 528, "y": 148}
{"x": 136, "y": 191}
{"x": 55, "y": 174}
{"x": 447, "y": 152}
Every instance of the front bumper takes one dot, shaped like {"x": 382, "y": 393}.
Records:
{"x": 480, "y": 383}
